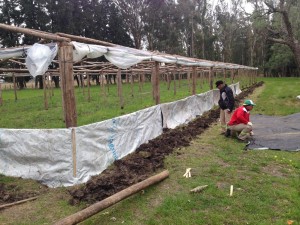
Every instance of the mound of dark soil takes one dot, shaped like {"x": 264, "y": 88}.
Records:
{"x": 146, "y": 159}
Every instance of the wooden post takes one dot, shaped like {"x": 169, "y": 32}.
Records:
{"x": 224, "y": 74}
{"x": 15, "y": 87}
{"x": 1, "y": 101}
{"x": 194, "y": 74}
{"x": 232, "y": 75}
{"x": 168, "y": 80}
{"x": 45, "y": 91}
{"x": 140, "y": 82}
{"x": 189, "y": 80}
{"x": 67, "y": 83}
{"x": 156, "y": 90}
{"x": 210, "y": 78}
{"x": 97, "y": 207}
{"x": 89, "y": 87}
{"x": 120, "y": 90}
{"x": 131, "y": 83}
{"x": 174, "y": 79}
{"x": 201, "y": 79}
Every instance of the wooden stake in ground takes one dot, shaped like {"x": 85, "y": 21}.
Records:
{"x": 97, "y": 207}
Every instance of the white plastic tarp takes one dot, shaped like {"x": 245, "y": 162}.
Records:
{"x": 39, "y": 154}
{"x": 99, "y": 144}
{"x": 39, "y": 57}
{"x": 185, "y": 110}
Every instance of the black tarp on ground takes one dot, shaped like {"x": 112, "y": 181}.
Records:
{"x": 278, "y": 133}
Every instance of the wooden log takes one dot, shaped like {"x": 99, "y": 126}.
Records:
{"x": 85, "y": 40}
{"x": 97, "y": 207}
{"x": 32, "y": 32}
{"x": 17, "y": 203}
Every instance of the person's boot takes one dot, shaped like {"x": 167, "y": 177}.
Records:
{"x": 228, "y": 133}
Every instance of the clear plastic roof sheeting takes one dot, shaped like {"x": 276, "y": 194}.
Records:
{"x": 39, "y": 56}
{"x": 277, "y": 133}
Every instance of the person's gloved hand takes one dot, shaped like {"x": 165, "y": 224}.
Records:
{"x": 249, "y": 123}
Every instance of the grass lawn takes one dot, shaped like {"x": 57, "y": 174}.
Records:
{"x": 265, "y": 183}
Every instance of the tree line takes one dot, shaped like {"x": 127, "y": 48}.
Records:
{"x": 266, "y": 38}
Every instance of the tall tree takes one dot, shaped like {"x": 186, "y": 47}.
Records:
{"x": 34, "y": 15}
{"x": 131, "y": 11}
{"x": 285, "y": 34}
{"x": 10, "y": 14}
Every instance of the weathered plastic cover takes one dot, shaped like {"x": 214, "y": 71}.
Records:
{"x": 40, "y": 154}
{"x": 98, "y": 145}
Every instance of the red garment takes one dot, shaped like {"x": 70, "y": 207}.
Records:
{"x": 240, "y": 115}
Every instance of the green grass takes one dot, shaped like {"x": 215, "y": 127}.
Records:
{"x": 266, "y": 183}
{"x": 279, "y": 97}
{"x": 28, "y": 111}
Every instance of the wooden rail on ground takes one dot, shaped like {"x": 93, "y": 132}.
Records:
{"x": 97, "y": 207}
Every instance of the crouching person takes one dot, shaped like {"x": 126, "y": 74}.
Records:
{"x": 240, "y": 121}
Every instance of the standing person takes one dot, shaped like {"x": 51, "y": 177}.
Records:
{"x": 226, "y": 103}
{"x": 240, "y": 121}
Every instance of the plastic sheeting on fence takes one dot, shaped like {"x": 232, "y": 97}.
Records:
{"x": 40, "y": 154}
{"x": 99, "y": 144}
{"x": 185, "y": 110}
{"x": 64, "y": 157}
{"x": 277, "y": 133}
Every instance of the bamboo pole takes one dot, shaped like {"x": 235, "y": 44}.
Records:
{"x": 99, "y": 206}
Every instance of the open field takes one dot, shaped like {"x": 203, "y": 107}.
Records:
{"x": 266, "y": 183}
{"x": 28, "y": 111}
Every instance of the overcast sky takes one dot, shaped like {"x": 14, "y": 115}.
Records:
{"x": 247, "y": 6}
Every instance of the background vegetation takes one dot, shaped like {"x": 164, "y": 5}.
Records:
{"x": 266, "y": 37}
{"x": 266, "y": 183}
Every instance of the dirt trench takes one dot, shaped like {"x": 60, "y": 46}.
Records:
{"x": 147, "y": 158}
